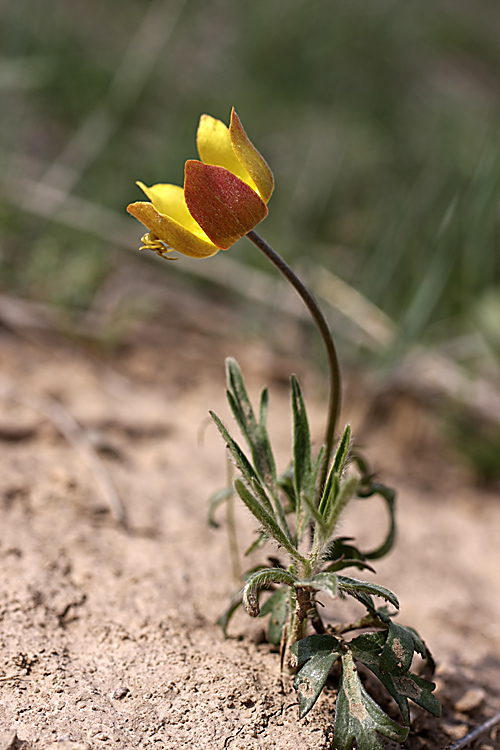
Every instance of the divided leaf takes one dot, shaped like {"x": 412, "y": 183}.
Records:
{"x": 354, "y": 587}
{"x": 301, "y": 444}
{"x": 358, "y": 717}
{"x": 255, "y": 433}
{"x": 260, "y": 579}
{"x": 369, "y": 648}
{"x": 277, "y": 607}
{"x": 326, "y": 582}
{"x": 320, "y": 652}
{"x": 266, "y": 518}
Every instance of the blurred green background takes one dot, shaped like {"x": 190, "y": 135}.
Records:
{"x": 380, "y": 119}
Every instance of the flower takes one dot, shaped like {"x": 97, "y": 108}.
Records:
{"x": 225, "y": 195}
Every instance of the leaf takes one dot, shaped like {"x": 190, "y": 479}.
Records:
{"x": 215, "y": 500}
{"x": 389, "y": 496}
{"x": 242, "y": 462}
{"x": 277, "y": 607}
{"x": 301, "y": 443}
{"x": 358, "y": 717}
{"x": 267, "y": 520}
{"x": 368, "y": 649}
{"x": 326, "y": 582}
{"x": 339, "y": 462}
{"x": 306, "y": 648}
{"x": 254, "y": 432}
{"x": 260, "y": 579}
{"x": 320, "y": 652}
{"x": 224, "y": 619}
{"x": 345, "y": 556}
{"x": 353, "y": 586}
{"x": 398, "y": 650}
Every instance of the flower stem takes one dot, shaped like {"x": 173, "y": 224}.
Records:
{"x": 326, "y": 335}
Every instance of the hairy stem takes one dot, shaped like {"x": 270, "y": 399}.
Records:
{"x": 326, "y": 335}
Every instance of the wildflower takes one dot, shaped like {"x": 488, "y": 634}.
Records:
{"x": 225, "y": 195}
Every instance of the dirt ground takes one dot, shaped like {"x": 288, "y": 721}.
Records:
{"x": 108, "y": 636}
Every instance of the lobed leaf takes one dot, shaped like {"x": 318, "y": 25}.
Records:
{"x": 258, "y": 580}
{"x": 320, "y": 653}
{"x": 302, "y": 467}
{"x": 326, "y": 582}
{"x": 277, "y": 607}
{"x": 353, "y": 586}
{"x": 357, "y": 716}
{"x": 267, "y": 519}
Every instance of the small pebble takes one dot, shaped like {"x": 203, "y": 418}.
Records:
{"x": 120, "y": 693}
{"x": 456, "y": 731}
{"x": 470, "y": 700}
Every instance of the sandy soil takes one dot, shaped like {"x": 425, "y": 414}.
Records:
{"x": 108, "y": 636}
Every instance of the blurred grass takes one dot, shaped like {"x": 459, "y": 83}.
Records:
{"x": 379, "y": 118}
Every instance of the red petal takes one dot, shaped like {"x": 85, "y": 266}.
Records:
{"x": 225, "y": 207}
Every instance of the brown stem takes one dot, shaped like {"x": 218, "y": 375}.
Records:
{"x": 326, "y": 335}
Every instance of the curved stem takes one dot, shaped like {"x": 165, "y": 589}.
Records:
{"x": 326, "y": 335}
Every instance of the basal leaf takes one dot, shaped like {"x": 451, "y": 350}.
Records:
{"x": 215, "y": 500}
{"x": 357, "y": 716}
{"x": 368, "y": 490}
{"x": 277, "y": 607}
{"x": 306, "y": 648}
{"x": 326, "y": 582}
{"x": 301, "y": 442}
{"x": 398, "y": 650}
{"x": 260, "y": 579}
{"x": 353, "y": 586}
{"x": 320, "y": 653}
{"x": 266, "y": 518}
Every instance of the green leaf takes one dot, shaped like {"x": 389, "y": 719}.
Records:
{"x": 389, "y": 496}
{"x": 358, "y": 717}
{"x": 215, "y": 500}
{"x": 301, "y": 443}
{"x": 224, "y": 619}
{"x": 242, "y": 463}
{"x": 398, "y": 650}
{"x": 277, "y": 607}
{"x": 254, "y": 432}
{"x": 326, "y": 582}
{"x": 344, "y": 556}
{"x": 260, "y": 579}
{"x": 320, "y": 652}
{"x": 368, "y": 649}
{"x": 266, "y": 518}
{"x": 352, "y": 586}
{"x": 342, "y": 452}
{"x": 306, "y": 648}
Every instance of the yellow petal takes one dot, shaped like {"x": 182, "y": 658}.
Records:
{"x": 252, "y": 160}
{"x": 171, "y": 232}
{"x": 214, "y": 147}
{"x": 222, "y": 204}
{"x": 169, "y": 200}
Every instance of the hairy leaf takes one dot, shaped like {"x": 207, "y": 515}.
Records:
{"x": 215, "y": 500}
{"x": 301, "y": 443}
{"x": 277, "y": 607}
{"x": 398, "y": 650}
{"x": 358, "y": 717}
{"x": 260, "y": 579}
{"x": 353, "y": 586}
{"x": 242, "y": 462}
{"x": 326, "y": 582}
{"x": 389, "y": 495}
{"x": 266, "y": 518}
{"x": 320, "y": 653}
{"x": 368, "y": 649}
{"x": 254, "y": 432}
